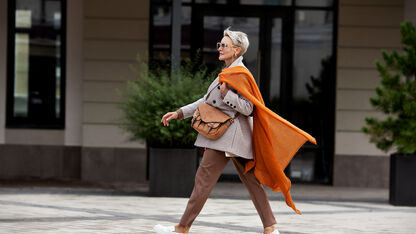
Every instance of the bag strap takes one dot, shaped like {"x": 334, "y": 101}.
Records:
{"x": 235, "y": 116}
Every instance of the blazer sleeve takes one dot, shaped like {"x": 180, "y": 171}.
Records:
{"x": 238, "y": 102}
{"x": 188, "y": 110}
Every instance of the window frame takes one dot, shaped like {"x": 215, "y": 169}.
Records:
{"x": 27, "y": 122}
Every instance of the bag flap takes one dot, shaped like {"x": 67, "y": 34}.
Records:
{"x": 211, "y": 114}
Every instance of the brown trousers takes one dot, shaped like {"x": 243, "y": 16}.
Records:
{"x": 210, "y": 169}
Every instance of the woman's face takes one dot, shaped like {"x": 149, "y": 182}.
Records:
{"x": 226, "y": 53}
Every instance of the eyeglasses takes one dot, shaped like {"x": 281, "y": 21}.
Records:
{"x": 223, "y": 45}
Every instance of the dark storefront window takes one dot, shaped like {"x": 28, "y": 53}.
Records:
{"x": 291, "y": 56}
{"x": 315, "y": 3}
{"x": 186, "y": 31}
{"x": 161, "y": 31}
{"x": 313, "y": 76}
{"x": 267, "y": 2}
{"x": 213, "y": 31}
{"x": 36, "y": 64}
{"x": 247, "y": 2}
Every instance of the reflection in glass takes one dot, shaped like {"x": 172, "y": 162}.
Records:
{"x": 161, "y": 34}
{"x": 212, "y": 1}
{"x": 275, "y": 64}
{"x": 246, "y": 2}
{"x": 214, "y": 27}
{"x": 313, "y": 42}
{"x": 314, "y": 3}
{"x": 58, "y": 77}
{"x": 185, "y": 32}
{"x": 161, "y": 28}
{"x": 267, "y": 2}
{"x": 37, "y": 63}
{"x": 312, "y": 71}
{"x": 21, "y": 74}
{"x": 23, "y": 18}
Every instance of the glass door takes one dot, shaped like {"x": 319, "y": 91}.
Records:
{"x": 263, "y": 58}
{"x": 270, "y": 32}
{"x": 274, "y": 38}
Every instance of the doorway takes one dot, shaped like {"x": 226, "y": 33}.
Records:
{"x": 270, "y": 58}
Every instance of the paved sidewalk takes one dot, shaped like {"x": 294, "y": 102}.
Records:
{"x": 86, "y": 210}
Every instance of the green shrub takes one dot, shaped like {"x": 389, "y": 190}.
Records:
{"x": 155, "y": 92}
{"x": 396, "y": 97}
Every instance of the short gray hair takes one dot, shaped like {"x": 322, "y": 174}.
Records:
{"x": 239, "y": 39}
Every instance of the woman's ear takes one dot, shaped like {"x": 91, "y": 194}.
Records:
{"x": 237, "y": 51}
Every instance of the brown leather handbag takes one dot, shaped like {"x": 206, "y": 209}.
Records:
{"x": 210, "y": 121}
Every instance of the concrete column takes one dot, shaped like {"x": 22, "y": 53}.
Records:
{"x": 74, "y": 72}
{"x": 3, "y": 67}
{"x": 409, "y": 10}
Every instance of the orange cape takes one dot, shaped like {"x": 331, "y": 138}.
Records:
{"x": 275, "y": 140}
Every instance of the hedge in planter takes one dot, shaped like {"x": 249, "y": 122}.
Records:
{"x": 396, "y": 98}
{"x": 144, "y": 102}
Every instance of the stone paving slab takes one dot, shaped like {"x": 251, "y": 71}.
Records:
{"x": 308, "y": 192}
{"x": 45, "y": 210}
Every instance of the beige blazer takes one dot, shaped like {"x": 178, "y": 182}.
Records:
{"x": 237, "y": 139}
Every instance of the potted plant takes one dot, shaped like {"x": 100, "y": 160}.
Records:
{"x": 172, "y": 158}
{"x": 396, "y": 98}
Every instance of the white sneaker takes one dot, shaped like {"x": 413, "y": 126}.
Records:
{"x": 160, "y": 229}
{"x": 276, "y": 231}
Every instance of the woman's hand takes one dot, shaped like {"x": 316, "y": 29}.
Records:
{"x": 224, "y": 89}
{"x": 168, "y": 117}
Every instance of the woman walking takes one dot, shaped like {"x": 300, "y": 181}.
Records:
{"x": 252, "y": 143}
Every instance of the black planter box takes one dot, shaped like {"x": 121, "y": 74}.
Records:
{"x": 172, "y": 172}
{"x": 402, "y": 180}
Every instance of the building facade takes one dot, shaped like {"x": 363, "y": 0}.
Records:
{"x": 62, "y": 62}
